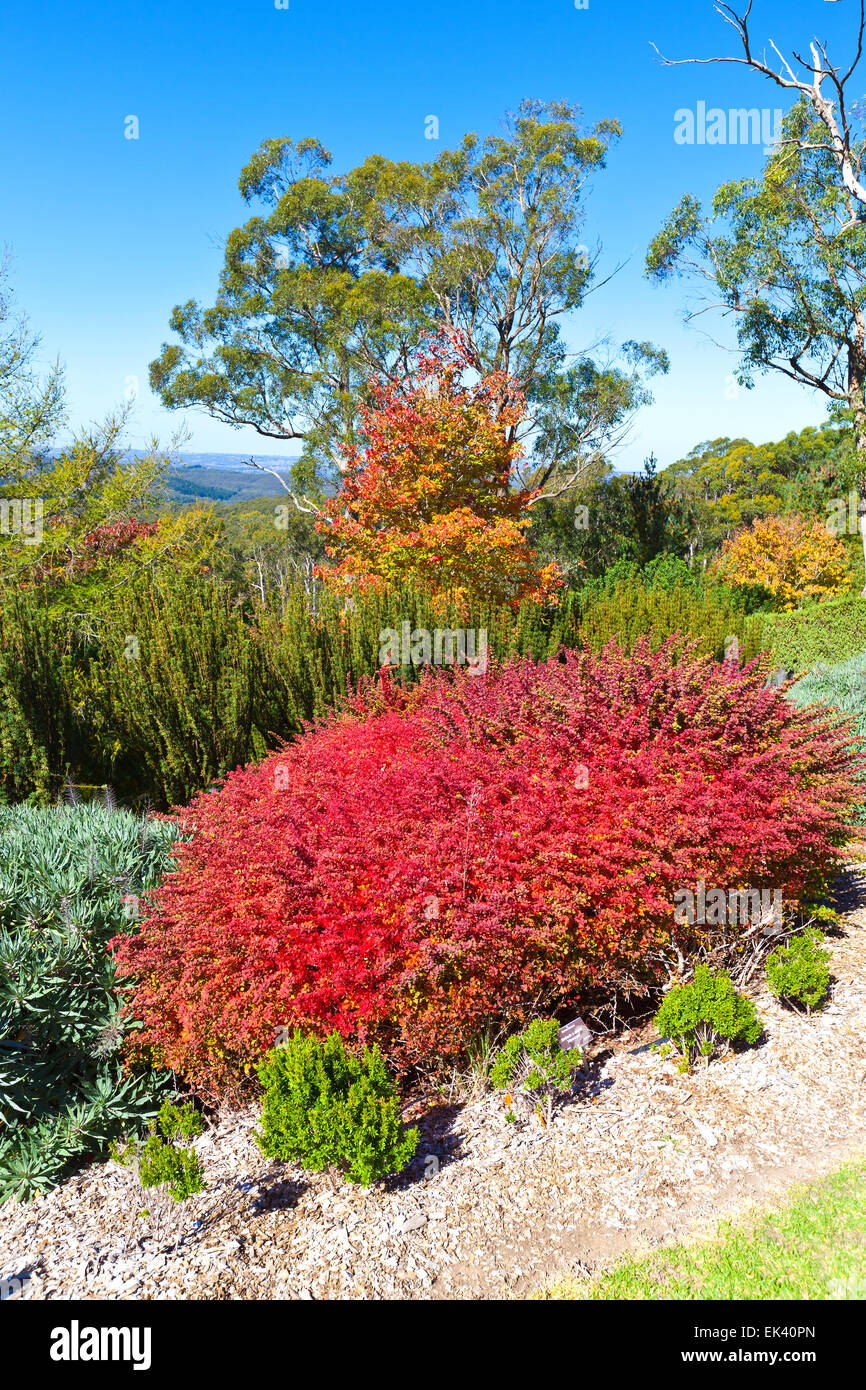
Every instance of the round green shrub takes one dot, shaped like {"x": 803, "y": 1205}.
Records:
{"x": 167, "y": 1158}
{"x": 709, "y": 1010}
{"x": 799, "y": 972}
{"x": 325, "y": 1108}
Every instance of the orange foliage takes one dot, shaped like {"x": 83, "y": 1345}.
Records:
{"x": 429, "y": 498}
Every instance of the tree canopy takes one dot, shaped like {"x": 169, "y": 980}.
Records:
{"x": 340, "y": 276}
{"x": 429, "y": 498}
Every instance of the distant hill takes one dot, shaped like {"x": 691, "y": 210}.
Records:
{"x": 219, "y": 485}
{"x": 234, "y": 462}
{"x": 223, "y": 477}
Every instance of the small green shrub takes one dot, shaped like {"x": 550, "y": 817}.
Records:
{"x": 706, "y": 1012}
{"x": 799, "y": 971}
{"x": 167, "y": 1158}
{"x": 534, "y": 1061}
{"x": 328, "y": 1109}
{"x": 179, "y": 1122}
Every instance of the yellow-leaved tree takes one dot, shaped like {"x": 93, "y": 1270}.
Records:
{"x": 794, "y": 559}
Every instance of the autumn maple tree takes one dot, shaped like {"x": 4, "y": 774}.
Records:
{"x": 429, "y": 496}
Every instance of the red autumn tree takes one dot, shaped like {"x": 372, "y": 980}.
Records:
{"x": 430, "y": 495}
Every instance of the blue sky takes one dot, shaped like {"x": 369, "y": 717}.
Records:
{"x": 108, "y": 234}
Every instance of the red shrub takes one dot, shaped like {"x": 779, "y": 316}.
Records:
{"x": 476, "y": 848}
{"x": 107, "y": 541}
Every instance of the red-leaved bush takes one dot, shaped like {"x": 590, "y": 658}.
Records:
{"x": 477, "y": 848}
{"x": 108, "y": 540}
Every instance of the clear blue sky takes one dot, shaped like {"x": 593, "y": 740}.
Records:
{"x": 108, "y": 234}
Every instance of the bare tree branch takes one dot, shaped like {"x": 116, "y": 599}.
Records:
{"x": 820, "y": 71}
{"x": 303, "y": 504}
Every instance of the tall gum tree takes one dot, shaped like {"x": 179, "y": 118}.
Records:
{"x": 785, "y": 254}
{"x": 340, "y": 277}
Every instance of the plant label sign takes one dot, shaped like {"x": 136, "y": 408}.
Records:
{"x": 574, "y": 1034}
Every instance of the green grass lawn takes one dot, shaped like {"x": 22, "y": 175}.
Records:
{"x": 813, "y": 1247}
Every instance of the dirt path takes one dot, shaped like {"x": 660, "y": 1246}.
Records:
{"x": 488, "y": 1209}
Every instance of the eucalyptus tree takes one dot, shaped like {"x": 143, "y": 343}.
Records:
{"x": 785, "y": 253}
{"x": 339, "y": 276}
